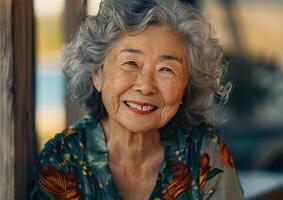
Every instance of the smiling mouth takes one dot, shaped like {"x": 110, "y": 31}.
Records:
{"x": 142, "y": 108}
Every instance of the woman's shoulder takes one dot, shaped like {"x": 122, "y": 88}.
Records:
{"x": 62, "y": 164}
{"x": 208, "y": 132}
{"x": 67, "y": 146}
{"x": 213, "y": 145}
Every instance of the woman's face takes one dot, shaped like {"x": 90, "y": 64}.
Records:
{"x": 143, "y": 79}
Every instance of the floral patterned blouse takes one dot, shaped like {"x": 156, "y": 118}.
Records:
{"x": 74, "y": 166}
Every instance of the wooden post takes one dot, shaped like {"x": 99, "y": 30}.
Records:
{"x": 7, "y": 122}
{"x": 234, "y": 25}
{"x": 23, "y": 48}
{"x": 17, "y": 142}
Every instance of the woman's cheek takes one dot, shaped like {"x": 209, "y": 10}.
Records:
{"x": 168, "y": 113}
{"x": 127, "y": 77}
{"x": 114, "y": 86}
{"x": 172, "y": 93}
{"x": 109, "y": 99}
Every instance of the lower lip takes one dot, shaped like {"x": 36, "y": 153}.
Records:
{"x": 142, "y": 112}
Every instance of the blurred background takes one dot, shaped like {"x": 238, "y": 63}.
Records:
{"x": 251, "y": 32}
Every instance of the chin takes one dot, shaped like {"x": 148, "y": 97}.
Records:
{"x": 139, "y": 128}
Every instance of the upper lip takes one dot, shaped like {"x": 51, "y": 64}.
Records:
{"x": 141, "y": 103}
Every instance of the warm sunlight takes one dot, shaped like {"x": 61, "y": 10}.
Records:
{"x": 48, "y": 7}
{"x": 92, "y": 6}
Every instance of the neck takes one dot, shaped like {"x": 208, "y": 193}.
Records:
{"x": 131, "y": 149}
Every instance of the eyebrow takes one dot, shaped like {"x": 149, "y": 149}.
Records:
{"x": 163, "y": 57}
{"x": 172, "y": 57}
{"x": 131, "y": 50}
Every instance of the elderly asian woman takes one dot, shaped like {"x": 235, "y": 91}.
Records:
{"x": 147, "y": 72}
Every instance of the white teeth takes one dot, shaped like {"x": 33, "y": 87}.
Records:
{"x": 139, "y": 107}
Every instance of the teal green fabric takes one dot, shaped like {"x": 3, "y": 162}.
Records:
{"x": 74, "y": 165}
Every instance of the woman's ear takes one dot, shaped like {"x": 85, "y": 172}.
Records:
{"x": 96, "y": 79}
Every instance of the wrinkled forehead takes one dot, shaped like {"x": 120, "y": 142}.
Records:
{"x": 154, "y": 40}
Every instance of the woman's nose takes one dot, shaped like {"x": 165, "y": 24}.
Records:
{"x": 146, "y": 83}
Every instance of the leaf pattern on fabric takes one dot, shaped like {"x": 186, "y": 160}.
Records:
{"x": 206, "y": 172}
{"x": 226, "y": 156}
{"x": 204, "y": 169}
{"x": 62, "y": 185}
{"x": 180, "y": 183}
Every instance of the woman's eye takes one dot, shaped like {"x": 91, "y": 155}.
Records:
{"x": 131, "y": 63}
{"x": 166, "y": 69}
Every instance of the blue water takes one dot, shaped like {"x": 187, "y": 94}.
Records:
{"x": 50, "y": 89}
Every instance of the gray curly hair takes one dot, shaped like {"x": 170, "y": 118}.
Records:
{"x": 97, "y": 35}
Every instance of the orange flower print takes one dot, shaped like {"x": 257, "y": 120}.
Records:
{"x": 206, "y": 172}
{"x": 61, "y": 185}
{"x": 226, "y": 156}
{"x": 180, "y": 182}
{"x": 204, "y": 169}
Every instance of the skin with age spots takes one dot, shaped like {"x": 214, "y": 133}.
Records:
{"x": 151, "y": 69}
